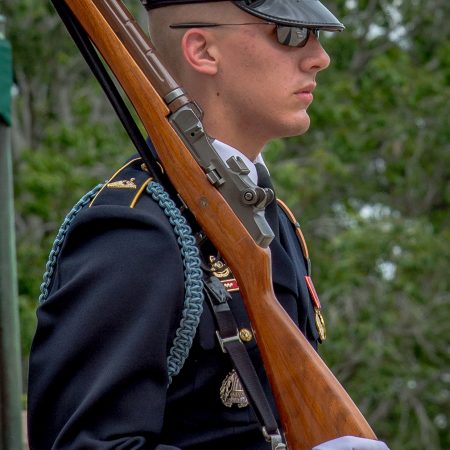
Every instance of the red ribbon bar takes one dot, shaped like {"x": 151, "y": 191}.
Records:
{"x": 230, "y": 285}
{"x": 312, "y": 291}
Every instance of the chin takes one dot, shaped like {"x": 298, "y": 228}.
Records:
{"x": 298, "y": 127}
{"x": 285, "y": 127}
{"x": 304, "y": 123}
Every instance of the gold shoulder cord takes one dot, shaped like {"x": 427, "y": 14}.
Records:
{"x": 320, "y": 322}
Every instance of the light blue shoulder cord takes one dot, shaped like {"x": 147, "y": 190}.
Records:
{"x": 193, "y": 302}
{"x": 193, "y": 281}
{"x": 59, "y": 240}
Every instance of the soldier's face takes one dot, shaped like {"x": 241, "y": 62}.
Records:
{"x": 267, "y": 86}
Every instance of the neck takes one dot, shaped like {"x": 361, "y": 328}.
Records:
{"x": 227, "y": 125}
{"x": 239, "y": 136}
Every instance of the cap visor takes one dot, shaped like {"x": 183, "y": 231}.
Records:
{"x": 307, "y": 13}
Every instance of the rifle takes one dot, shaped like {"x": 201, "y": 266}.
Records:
{"x": 312, "y": 404}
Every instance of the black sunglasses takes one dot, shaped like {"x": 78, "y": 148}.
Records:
{"x": 286, "y": 35}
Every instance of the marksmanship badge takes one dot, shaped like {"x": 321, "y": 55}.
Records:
{"x": 231, "y": 391}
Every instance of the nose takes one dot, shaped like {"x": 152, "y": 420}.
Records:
{"x": 314, "y": 58}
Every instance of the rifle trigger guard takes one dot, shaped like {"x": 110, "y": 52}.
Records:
{"x": 275, "y": 440}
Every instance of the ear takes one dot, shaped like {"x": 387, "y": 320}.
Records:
{"x": 200, "y": 51}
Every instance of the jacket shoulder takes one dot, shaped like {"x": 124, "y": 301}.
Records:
{"x": 125, "y": 187}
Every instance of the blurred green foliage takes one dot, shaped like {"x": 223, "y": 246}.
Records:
{"x": 369, "y": 183}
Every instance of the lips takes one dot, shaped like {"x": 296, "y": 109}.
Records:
{"x": 305, "y": 93}
{"x": 308, "y": 89}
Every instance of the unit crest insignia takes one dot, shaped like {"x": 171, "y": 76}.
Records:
{"x": 223, "y": 273}
{"x": 231, "y": 391}
{"x": 218, "y": 268}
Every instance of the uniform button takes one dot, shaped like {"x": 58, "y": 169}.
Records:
{"x": 246, "y": 335}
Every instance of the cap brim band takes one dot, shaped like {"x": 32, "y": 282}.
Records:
{"x": 151, "y": 4}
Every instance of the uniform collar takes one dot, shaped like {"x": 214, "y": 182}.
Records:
{"x": 226, "y": 151}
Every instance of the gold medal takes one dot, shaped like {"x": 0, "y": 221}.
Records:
{"x": 318, "y": 317}
{"x": 320, "y": 324}
{"x": 320, "y": 321}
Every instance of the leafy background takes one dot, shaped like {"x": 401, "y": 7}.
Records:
{"x": 369, "y": 183}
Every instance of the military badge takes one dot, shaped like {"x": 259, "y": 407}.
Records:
{"x": 232, "y": 392}
{"x": 123, "y": 184}
{"x": 320, "y": 322}
{"x": 220, "y": 270}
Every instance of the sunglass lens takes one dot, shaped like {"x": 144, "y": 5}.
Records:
{"x": 294, "y": 36}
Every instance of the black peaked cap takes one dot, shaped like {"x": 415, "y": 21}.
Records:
{"x": 307, "y": 13}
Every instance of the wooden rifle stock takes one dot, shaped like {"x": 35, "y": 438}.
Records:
{"x": 313, "y": 406}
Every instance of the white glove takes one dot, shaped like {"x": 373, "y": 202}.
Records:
{"x": 352, "y": 443}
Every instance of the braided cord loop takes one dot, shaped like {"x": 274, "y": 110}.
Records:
{"x": 193, "y": 281}
{"x": 59, "y": 240}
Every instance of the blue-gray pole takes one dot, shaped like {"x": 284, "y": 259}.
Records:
{"x": 10, "y": 367}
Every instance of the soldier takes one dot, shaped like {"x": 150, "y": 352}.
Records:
{"x": 116, "y": 296}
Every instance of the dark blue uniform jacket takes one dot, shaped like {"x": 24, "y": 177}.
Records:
{"x": 98, "y": 367}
